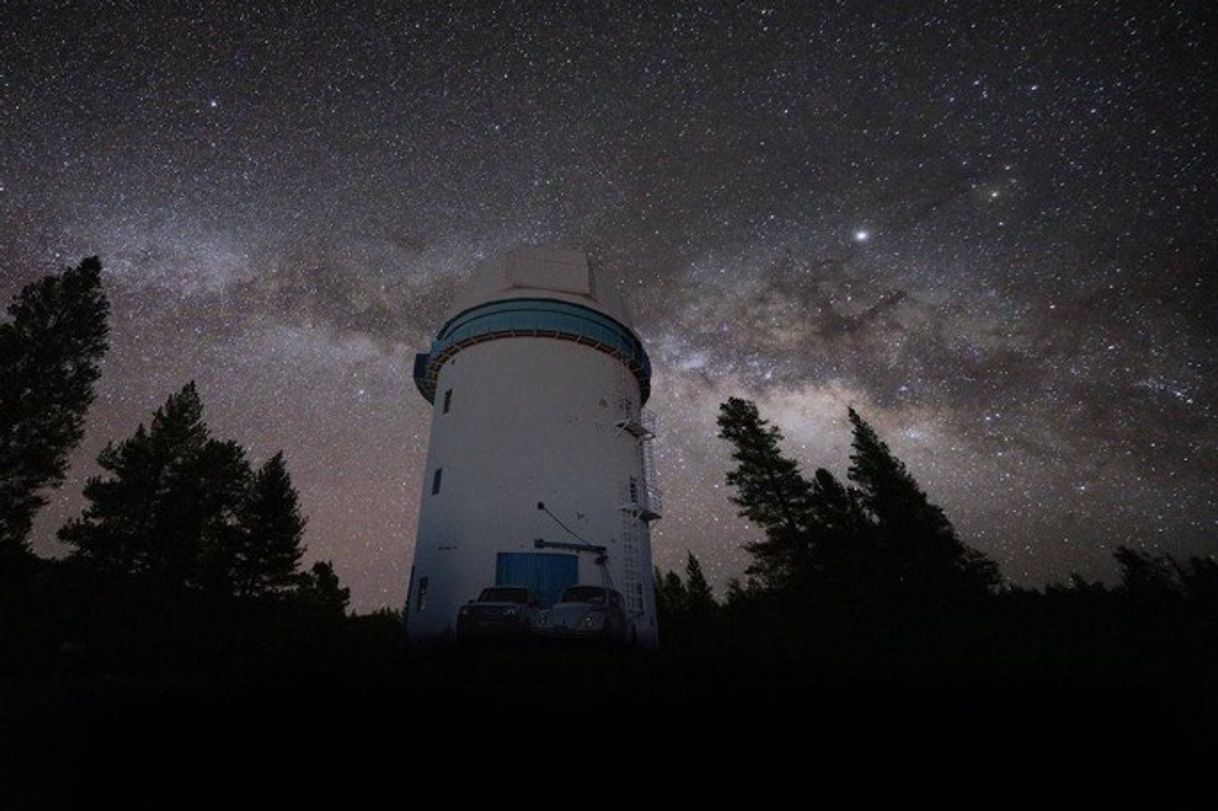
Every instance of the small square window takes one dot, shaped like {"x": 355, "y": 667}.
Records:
{"x": 435, "y": 480}
{"x": 448, "y": 400}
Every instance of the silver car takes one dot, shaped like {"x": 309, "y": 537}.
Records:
{"x": 586, "y": 612}
{"x": 498, "y": 612}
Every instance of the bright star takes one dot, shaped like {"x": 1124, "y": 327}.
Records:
{"x": 861, "y": 235}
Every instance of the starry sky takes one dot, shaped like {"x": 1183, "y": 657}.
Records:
{"x": 989, "y": 227}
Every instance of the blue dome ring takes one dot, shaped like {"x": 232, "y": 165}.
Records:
{"x": 532, "y": 318}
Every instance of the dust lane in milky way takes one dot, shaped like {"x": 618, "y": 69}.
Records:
{"x": 991, "y": 230}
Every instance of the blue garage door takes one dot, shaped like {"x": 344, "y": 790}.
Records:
{"x": 548, "y": 575}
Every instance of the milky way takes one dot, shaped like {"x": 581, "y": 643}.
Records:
{"x": 988, "y": 227}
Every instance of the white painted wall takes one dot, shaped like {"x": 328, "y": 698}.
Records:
{"x": 532, "y": 419}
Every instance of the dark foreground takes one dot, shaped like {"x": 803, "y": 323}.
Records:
{"x": 951, "y": 717}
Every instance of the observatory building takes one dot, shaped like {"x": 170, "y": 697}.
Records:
{"x": 539, "y": 468}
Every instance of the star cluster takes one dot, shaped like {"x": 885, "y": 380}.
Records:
{"x": 988, "y": 227}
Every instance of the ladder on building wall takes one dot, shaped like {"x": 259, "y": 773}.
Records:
{"x": 640, "y": 500}
{"x": 631, "y": 565}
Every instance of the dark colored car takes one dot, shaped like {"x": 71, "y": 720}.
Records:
{"x": 500, "y": 611}
{"x": 587, "y": 612}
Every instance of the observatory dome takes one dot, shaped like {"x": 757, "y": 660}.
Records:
{"x": 536, "y": 292}
{"x": 539, "y": 272}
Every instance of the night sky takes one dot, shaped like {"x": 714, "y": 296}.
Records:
{"x": 989, "y": 227}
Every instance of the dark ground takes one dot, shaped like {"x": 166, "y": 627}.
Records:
{"x": 498, "y": 722}
{"x": 128, "y": 698}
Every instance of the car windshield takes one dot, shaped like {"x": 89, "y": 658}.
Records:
{"x": 504, "y": 596}
{"x": 584, "y": 594}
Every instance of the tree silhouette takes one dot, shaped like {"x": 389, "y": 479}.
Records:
{"x": 671, "y": 597}
{"x": 737, "y": 593}
{"x": 183, "y": 510}
{"x": 167, "y": 510}
{"x": 879, "y": 539}
{"x": 271, "y": 532}
{"x": 770, "y": 491}
{"x": 914, "y": 544}
{"x": 841, "y": 546}
{"x": 1199, "y": 580}
{"x": 1147, "y": 577}
{"x": 657, "y": 582}
{"x": 699, "y": 600}
{"x": 321, "y": 591}
{"x": 49, "y": 360}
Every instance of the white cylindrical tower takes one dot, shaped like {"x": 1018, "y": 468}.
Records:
{"x": 537, "y": 383}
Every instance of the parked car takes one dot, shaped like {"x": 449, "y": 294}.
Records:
{"x": 497, "y": 612}
{"x": 586, "y": 612}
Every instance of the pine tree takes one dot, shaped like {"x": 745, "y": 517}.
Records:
{"x": 657, "y": 583}
{"x": 698, "y": 596}
{"x": 112, "y": 534}
{"x": 1199, "y": 581}
{"x": 183, "y": 510}
{"x": 676, "y": 598}
{"x": 272, "y": 529}
{"x": 217, "y": 489}
{"x": 1146, "y": 576}
{"x": 672, "y": 604}
{"x": 50, "y": 357}
{"x": 737, "y": 593}
{"x": 915, "y": 548}
{"x": 770, "y": 491}
{"x": 321, "y": 591}
{"x": 167, "y": 510}
{"x": 842, "y": 538}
